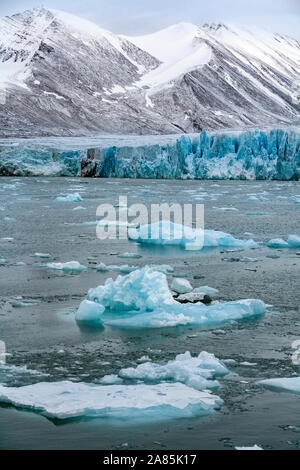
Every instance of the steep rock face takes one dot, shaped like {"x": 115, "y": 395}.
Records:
{"x": 61, "y": 75}
{"x": 272, "y": 154}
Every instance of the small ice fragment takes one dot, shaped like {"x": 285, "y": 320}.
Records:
{"x": 207, "y": 290}
{"x": 255, "y": 447}
{"x": 277, "y": 243}
{"x": 89, "y": 311}
{"x": 294, "y": 241}
{"x": 79, "y": 208}
{"x": 9, "y": 219}
{"x": 41, "y": 255}
{"x": 72, "y": 197}
{"x": 110, "y": 380}
{"x": 130, "y": 255}
{"x": 69, "y": 267}
{"x": 181, "y": 286}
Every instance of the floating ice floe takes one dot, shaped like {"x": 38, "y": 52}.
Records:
{"x": 66, "y": 399}
{"x": 207, "y": 290}
{"x": 89, "y": 311}
{"x": 197, "y": 372}
{"x": 41, "y": 255}
{"x": 292, "y": 242}
{"x": 290, "y": 384}
{"x": 72, "y": 197}
{"x": 79, "y": 208}
{"x": 126, "y": 269}
{"x": 9, "y": 219}
{"x": 257, "y": 199}
{"x": 168, "y": 233}
{"x": 181, "y": 286}
{"x": 142, "y": 299}
{"x": 69, "y": 267}
{"x": 255, "y": 447}
{"x": 130, "y": 255}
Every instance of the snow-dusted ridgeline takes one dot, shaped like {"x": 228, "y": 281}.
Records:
{"x": 271, "y": 154}
{"x": 65, "y": 76}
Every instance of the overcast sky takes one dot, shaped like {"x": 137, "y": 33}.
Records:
{"x": 144, "y": 16}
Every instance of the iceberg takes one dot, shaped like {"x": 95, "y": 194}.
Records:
{"x": 63, "y": 400}
{"x": 196, "y": 372}
{"x": 168, "y": 233}
{"x": 290, "y": 384}
{"x": 254, "y": 154}
{"x": 142, "y": 299}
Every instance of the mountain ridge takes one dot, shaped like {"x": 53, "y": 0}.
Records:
{"x": 62, "y": 75}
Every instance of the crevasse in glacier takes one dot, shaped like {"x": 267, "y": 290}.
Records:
{"x": 257, "y": 154}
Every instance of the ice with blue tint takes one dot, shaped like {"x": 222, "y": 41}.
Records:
{"x": 197, "y": 372}
{"x": 142, "y": 299}
{"x": 293, "y": 241}
{"x": 289, "y": 384}
{"x": 75, "y": 197}
{"x": 168, "y": 233}
{"x": 63, "y": 400}
{"x": 253, "y": 154}
{"x": 89, "y": 312}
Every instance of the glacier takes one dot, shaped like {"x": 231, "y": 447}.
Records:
{"x": 253, "y": 154}
{"x": 142, "y": 299}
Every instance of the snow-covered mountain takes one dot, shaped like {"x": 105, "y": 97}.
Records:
{"x": 62, "y": 75}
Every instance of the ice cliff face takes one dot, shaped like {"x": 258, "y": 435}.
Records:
{"x": 61, "y": 75}
{"x": 272, "y": 154}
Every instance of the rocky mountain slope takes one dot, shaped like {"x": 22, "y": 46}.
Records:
{"x": 62, "y": 75}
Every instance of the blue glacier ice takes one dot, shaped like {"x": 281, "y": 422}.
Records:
{"x": 142, "y": 299}
{"x": 254, "y": 154}
{"x": 168, "y": 233}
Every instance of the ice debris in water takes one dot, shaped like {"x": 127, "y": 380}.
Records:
{"x": 89, "y": 311}
{"x": 196, "y": 372}
{"x": 292, "y": 242}
{"x": 41, "y": 255}
{"x": 126, "y": 269}
{"x": 66, "y": 399}
{"x": 255, "y": 447}
{"x": 207, "y": 290}
{"x": 181, "y": 286}
{"x": 79, "y": 208}
{"x": 130, "y": 255}
{"x": 290, "y": 384}
{"x": 9, "y": 219}
{"x": 75, "y": 197}
{"x": 168, "y": 233}
{"x": 142, "y": 299}
{"x": 69, "y": 267}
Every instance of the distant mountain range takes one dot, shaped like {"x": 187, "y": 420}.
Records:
{"x": 62, "y": 75}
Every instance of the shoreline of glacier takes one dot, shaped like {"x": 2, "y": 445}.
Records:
{"x": 238, "y": 155}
